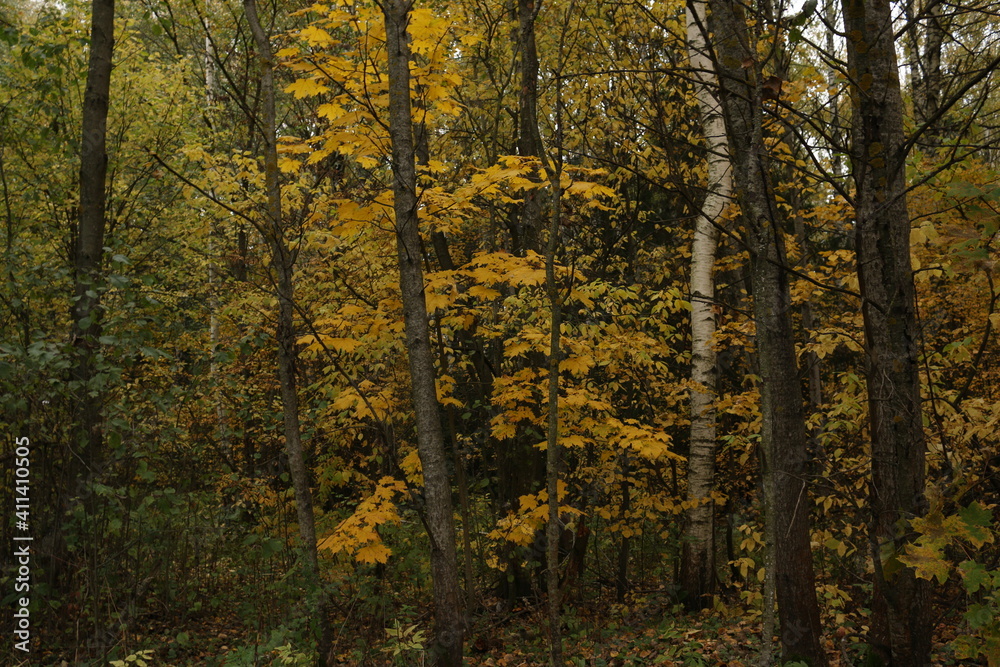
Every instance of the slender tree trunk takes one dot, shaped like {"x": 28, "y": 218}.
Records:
{"x": 449, "y": 617}
{"x": 621, "y": 581}
{"x": 813, "y": 363}
{"x": 89, "y": 248}
{"x": 552, "y": 451}
{"x": 283, "y": 262}
{"x": 927, "y": 80}
{"x": 213, "y": 297}
{"x": 520, "y": 465}
{"x": 698, "y": 555}
{"x": 462, "y": 481}
{"x": 526, "y": 236}
{"x": 901, "y": 628}
{"x": 783, "y": 431}
{"x": 832, "y": 82}
{"x": 86, "y": 455}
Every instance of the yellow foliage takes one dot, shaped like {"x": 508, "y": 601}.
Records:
{"x": 358, "y": 534}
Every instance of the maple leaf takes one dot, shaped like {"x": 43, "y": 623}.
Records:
{"x": 373, "y": 553}
{"x": 927, "y": 560}
{"x": 484, "y": 293}
{"x": 306, "y": 88}
{"x": 975, "y": 524}
{"x": 974, "y": 575}
{"x": 288, "y": 165}
{"x": 577, "y": 365}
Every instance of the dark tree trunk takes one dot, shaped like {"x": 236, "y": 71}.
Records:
{"x": 554, "y": 528}
{"x": 283, "y": 262}
{"x": 448, "y": 612}
{"x": 901, "y": 629}
{"x": 520, "y": 465}
{"x": 526, "y": 229}
{"x": 621, "y": 578}
{"x": 783, "y": 430}
{"x": 89, "y": 248}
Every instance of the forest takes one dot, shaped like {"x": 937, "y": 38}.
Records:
{"x": 309, "y": 310}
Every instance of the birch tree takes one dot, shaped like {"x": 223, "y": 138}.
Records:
{"x": 697, "y": 560}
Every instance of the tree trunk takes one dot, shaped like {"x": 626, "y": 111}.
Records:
{"x": 446, "y": 650}
{"x": 89, "y": 248}
{"x": 554, "y": 527}
{"x": 526, "y": 230}
{"x": 783, "y": 431}
{"x": 520, "y": 465}
{"x": 621, "y": 578}
{"x": 927, "y": 88}
{"x": 901, "y": 629}
{"x": 283, "y": 262}
{"x": 698, "y": 556}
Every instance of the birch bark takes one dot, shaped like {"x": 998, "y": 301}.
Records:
{"x": 697, "y": 559}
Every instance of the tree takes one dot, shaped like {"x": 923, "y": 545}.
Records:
{"x": 698, "y": 557}
{"x": 283, "y": 263}
{"x": 901, "y": 629}
{"x": 88, "y": 252}
{"x": 783, "y": 431}
{"x": 449, "y": 617}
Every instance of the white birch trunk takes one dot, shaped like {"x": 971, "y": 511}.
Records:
{"x": 697, "y": 565}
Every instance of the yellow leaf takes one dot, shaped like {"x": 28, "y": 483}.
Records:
{"x": 519, "y": 347}
{"x": 306, "y": 88}
{"x": 577, "y": 365}
{"x": 342, "y": 344}
{"x": 927, "y": 561}
{"x": 411, "y": 466}
{"x": 484, "y": 293}
{"x": 573, "y": 441}
{"x": 332, "y": 543}
{"x": 316, "y": 36}
{"x": 288, "y": 165}
{"x": 373, "y": 553}
{"x": 330, "y": 111}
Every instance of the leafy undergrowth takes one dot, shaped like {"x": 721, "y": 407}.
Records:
{"x": 649, "y": 630}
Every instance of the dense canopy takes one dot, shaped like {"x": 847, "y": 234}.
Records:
{"x": 308, "y": 310}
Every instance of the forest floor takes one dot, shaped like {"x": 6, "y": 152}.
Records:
{"x": 648, "y": 630}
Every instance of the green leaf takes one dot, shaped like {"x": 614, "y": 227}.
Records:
{"x": 978, "y": 615}
{"x": 964, "y": 189}
{"x": 270, "y": 547}
{"x": 976, "y": 520}
{"x": 974, "y": 575}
